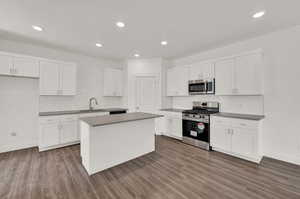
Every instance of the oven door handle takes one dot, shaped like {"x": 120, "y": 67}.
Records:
{"x": 194, "y": 120}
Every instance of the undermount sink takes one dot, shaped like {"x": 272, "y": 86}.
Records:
{"x": 91, "y": 110}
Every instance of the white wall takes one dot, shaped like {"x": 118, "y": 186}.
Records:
{"x": 21, "y": 92}
{"x": 18, "y": 112}
{"x": 142, "y": 67}
{"x": 281, "y": 137}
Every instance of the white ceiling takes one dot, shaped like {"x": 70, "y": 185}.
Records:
{"x": 188, "y": 25}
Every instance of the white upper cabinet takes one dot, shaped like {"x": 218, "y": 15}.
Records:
{"x": 177, "y": 81}
{"x": 68, "y": 79}
{"x": 57, "y": 78}
{"x": 26, "y": 67}
{"x": 18, "y": 66}
{"x": 49, "y": 78}
{"x": 113, "y": 82}
{"x": 202, "y": 70}
{"x": 224, "y": 77}
{"x": 240, "y": 75}
{"x": 249, "y": 75}
{"x": 6, "y": 64}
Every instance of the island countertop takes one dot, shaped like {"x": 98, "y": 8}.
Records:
{"x": 112, "y": 119}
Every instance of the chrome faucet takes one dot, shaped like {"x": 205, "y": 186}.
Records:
{"x": 91, "y": 102}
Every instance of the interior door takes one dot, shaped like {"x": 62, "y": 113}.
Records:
{"x": 26, "y": 67}
{"x": 6, "y": 64}
{"x": 68, "y": 79}
{"x": 49, "y": 78}
{"x": 146, "y": 94}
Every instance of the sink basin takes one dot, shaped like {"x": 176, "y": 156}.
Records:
{"x": 92, "y": 110}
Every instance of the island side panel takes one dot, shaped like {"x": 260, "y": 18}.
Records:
{"x": 85, "y": 145}
{"x": 114, "y": 144}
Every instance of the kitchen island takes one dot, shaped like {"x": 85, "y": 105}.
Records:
{"x": 109, "y": 140}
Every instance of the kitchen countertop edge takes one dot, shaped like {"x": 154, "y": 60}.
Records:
{"x": 83, "y": 111}
{"x": 239, "y": 116}
{"x": 121, "y": 118}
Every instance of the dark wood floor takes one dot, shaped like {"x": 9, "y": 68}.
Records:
{"x": 175, "y": 170}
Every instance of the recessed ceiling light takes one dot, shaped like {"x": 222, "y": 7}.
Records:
{"x": 259, "y": 14}
{"x": 164, "y": 43}
{"x": 99, "y": 45}
{"x": 37, "y": 28}
{"x": 120, "y": 24}
{"x": 136, "y": 55}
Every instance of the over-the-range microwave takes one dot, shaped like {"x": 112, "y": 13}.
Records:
{"x": 201, "y": 87}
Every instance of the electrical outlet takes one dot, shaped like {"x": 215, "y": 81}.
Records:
{"x": 13, "y": 134}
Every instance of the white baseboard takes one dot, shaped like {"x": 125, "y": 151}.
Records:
{"x": 285, "y": 158}
{"x": 256, "y": 159}
{"x": 4, "y": 149}
{"x": 57, "y": 146}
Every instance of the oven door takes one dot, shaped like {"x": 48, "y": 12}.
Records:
{"x": 197, "y": 87}
{"x": 195, "y": 130}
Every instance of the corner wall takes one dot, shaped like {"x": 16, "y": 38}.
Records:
{"x": 280, "y": 104}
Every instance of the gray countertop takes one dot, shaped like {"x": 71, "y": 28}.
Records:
{"x": 68, "y": 112}
{"x": 177, "y": 110}
{"x": 112, "y": 119}
{"x": 240, "y": 116}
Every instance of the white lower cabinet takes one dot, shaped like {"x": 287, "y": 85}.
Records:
{"x": 236, "y": 137}
{"x": 49, "y": 133}
{"x": 69, "y": 131}
{"x": 57, "y": 131}
{"x": 60, "y": 131}
{"x": 171, "y": 125}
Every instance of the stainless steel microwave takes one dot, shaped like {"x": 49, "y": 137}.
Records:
{"x": 201, "y": 87}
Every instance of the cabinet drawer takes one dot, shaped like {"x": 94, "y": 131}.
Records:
{"x": 69, "y": 118}
{"x": 221, "y": 120}
{"x": 241, "y": 123}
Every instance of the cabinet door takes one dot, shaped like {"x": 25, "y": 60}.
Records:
{"x": 220, "y": 137}
{"x": 68, "y": 131}
{"x": 67, "y": 79}
{"x": 49, "y": 134}
{"x": 202, "y": 70}
{"x": 26, "y": 67}
{"x": 119, "y": 83}
{"x": 244, "y": 142}
{"x": 180, "y": 79}
{"x": 248, "y": 74}
{"x": 224, "y": 77}
{"x": 6, "y": 65}
{"x": 169, "y": 126}
{"x": 171, "y": 83}
{"x": 49, "y": 78}
{"x": 176, "y": 128}
{"x": 160, "y": 126}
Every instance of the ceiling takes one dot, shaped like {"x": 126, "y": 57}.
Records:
{"x": 189, "y": 26}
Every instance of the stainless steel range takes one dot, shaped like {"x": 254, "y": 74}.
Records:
{"x": 196, "y": 124}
